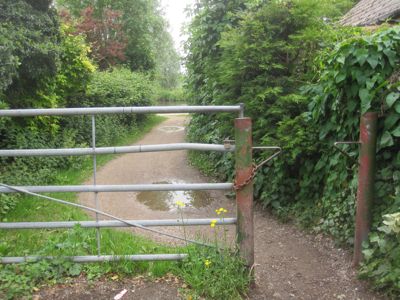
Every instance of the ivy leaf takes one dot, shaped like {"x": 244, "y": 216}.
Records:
{"x": 386, "y": 140}
{"x": 340, "y": 77}
{"x": 368, "y": 253}
{"x": 397, "y": 108}
{"x": 391, "y": 98}
{"x": 396, "y": 131}
{"x": 391, "y": 120}
{"x": 341, "y": 59}
{"x": 373, "y": 61}
{"x": 391, "y": 55}
{"x": 366, "y": 98}
{"x": 370, "y": 82}
{"x": 361, "y": 55}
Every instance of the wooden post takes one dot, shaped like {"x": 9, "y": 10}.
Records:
{"x": 244, "y": 195}
{"x": 366, "y": 177}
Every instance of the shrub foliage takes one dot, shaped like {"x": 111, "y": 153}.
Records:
{"x": 305, "y": 83}
{"x": 46, "y": 65}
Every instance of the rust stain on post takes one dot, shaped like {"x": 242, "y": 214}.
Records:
{"x": 244, "y": 196}
{"x": 366, "y": 177}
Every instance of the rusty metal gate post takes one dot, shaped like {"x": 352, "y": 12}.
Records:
{"x": 244, "y": 194}
{"x": 366, "y": 174}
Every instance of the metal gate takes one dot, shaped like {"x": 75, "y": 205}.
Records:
{"x": 245, "y": 172}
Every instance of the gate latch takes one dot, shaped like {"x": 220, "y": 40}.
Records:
{"x": 345, "y": 153}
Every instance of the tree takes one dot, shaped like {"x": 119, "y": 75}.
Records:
{"x": 30, "y": 31}
{"x": 167, "y": 64}
{"x": 261, "y": 53}
{"x": 139, "y": 36}
{"x": 139, "y": 20}
{"x": 105, "y": 36}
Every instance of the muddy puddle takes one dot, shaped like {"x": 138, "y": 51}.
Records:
{"x": 166, "y": 200}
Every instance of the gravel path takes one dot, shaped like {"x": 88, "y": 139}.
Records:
{"x": 290, "y": 264}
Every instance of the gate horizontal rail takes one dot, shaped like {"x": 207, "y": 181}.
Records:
{"x": 120, "y": 188}
{"x": 109, "y": 223}
{"x": 118, "y": 110}
{"x": 96, "y": 258}
{"x": 116, "y": 150}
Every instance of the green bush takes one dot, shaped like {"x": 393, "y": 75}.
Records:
{"x": 118, "y": 87}
{"x": 382, "y": 256}
{"x": 163, "y": 95}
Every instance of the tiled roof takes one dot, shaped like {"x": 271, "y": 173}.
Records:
{"x": 372, "y": 12}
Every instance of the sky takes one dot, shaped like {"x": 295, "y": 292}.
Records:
{"x": 176, "y": 16}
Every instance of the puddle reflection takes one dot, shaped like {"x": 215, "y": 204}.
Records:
{"x": 166, "y": 200}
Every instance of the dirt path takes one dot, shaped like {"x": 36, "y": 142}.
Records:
{"x": 157, "y": 167}
{"x": 289, "y": 263}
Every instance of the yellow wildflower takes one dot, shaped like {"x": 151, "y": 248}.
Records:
{"x": 207, "y": 263}
{"x": 213, "y": 222}
{"x": 221, "y": 210}
{"x": 180, "y": 204}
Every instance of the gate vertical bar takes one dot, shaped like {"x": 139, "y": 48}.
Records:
{"x": 244, "y": 195}
{"x": 366, "y": 177}
{"x": 96, "y": 201}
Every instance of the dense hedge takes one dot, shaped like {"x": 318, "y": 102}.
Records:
{"x": 303, "y": 93}
{"x": 165, "y": 96}
{"x": 117, "y": 87}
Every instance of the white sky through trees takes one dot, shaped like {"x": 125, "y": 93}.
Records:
{"x": 176, "y": 16}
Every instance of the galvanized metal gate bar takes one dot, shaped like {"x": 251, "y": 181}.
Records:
{"x": 96, "y": 200}
{"x": 109, "y": 224}
{"x": 116, "y": 150}
{"x": 97, "y": 258}
{"x": 119, "y": 110}
{"x": 121, "y": 188}
{"x": 32, "y": 190}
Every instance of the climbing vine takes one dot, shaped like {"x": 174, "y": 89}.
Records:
{"x": 360, "y": 75}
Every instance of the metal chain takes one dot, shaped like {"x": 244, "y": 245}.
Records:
{"x": 255, "y": 167}
{"x": 253, "y": 173}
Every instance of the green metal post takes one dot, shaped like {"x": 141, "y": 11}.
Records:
{"x": 244, "y": 194}
{"x": 366, "y": 177}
